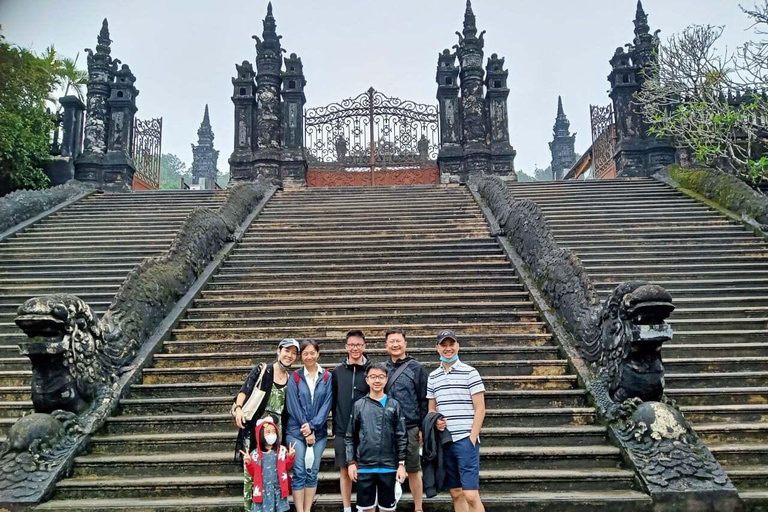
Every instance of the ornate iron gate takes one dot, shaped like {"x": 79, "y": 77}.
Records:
{"x": 603, "y": 140}
{"x": 146, "y": 152}
{"x": 369, "y": 132}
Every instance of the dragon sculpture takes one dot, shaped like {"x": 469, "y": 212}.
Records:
{"x": 75, "y": 358}
{"x": 625, "y": 349}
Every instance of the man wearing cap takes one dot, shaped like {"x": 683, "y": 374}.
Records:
{"x": 456, "y": 391}
{"x": 270, "y": 380}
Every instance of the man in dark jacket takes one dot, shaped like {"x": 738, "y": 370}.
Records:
{"x": 376, "y": 445}
{"x": 407, "y": 383}
{"x": 348, "y": 386}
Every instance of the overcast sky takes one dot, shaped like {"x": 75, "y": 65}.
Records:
{"x": 183, "y": 52}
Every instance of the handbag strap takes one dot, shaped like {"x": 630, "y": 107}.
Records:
{"x": 396, "y": 375}
{"x": 261, "y": 376}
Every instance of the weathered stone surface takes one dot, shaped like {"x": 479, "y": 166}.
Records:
{"x": 21, "y": 205}
{"x": 92, "y": 354}
{"x": 622, "y": 338}
{"x": 204, "y": 156}
{"x": 725, "y": 189}
{"x": 562, "y": 145}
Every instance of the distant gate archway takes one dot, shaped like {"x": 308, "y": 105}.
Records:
{"x": 371, "y": 139}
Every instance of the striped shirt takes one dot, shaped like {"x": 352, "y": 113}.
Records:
{"x": 453, "y": 390}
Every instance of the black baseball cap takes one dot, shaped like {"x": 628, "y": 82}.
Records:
{"x": 446, "y": 334}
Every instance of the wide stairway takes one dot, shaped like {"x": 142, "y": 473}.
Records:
{"x": 86, "y": 249}
{"x": 317, "y": 263}
{"x": 717, "y": 272}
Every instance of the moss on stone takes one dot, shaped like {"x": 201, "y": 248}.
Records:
{"x": 724, "y": 189}
{"x": 22, "y": 205}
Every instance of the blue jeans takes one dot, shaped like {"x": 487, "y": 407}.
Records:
{"x": 301, "y": 477}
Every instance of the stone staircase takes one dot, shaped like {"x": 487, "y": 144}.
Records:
{"x": 86, "y": 249}
{"x": 316, "y": 263}
{"x": 717, "y": 273}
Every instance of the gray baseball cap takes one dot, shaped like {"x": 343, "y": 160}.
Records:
{"x": 289, "y": 342}
{"x": 446, "y": 334}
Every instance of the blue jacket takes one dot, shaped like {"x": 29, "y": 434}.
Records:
{"x": 302, "y": 409}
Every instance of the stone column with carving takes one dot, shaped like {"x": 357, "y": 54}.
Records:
{"x": 293, "y": 162}
{"x": 111, "y": 105}
{"x": 477, "y": 156}
{"x": 244, "y": 98}
{"x": 638, "y": 153}
{"x": 497, "y": 92}
{"x": 266, "y": 155}
{"x": 449, "y": 156}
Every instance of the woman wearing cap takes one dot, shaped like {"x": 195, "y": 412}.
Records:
{"x": 270, "y": 380}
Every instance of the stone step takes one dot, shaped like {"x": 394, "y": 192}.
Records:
{"x": 221, "y": 463}
{"x": 341, "y": 284}
{"x": 15, "y": 393}
{"x": 311, "y": 224}
{"x": 496, "y": 265}
{"x": 716, "y": 379}
{"x": 225, "y": 441}
{"x": 514, "y": 399}
{"x": 230, "y": 388}
{"x": 719, "y": 396}
{"x": 514, "y": 343}
{"x": 120, "y": 250}
{"x": 370, "y": 260}
{"x": 235, "y": 298}
{"x": 18, "y": 408}
{"x": 370, "y": 329}
{"x": 396, "y": 236}
{"x": 411, "y": 250}
{"x": 19, "y": 274}
{"x": 339, "y": 244}
{"x": 180, "y": 423}
{"x": 520, "y": 308}
{"x": 361, "y": 272}
{"x": 739, "y": 260}
{"x": 202, "y": 373}
{"x": 734, "y": 455}
{"x": 738, "y": 413}
{"x": 719, "y": 364}
{"x": 710, "y": 323}
{"x": 690, "y": 286}
{"x": 653, "y": 237}
{"x": 747, "y": 477}
{"x": 650, "y": 221}
{"x": 83, "y": 262}
{"x": 564, "y": 501}
{"x": 714, "y": 350}
{"x": 215, "y": 356}
{"x": 728, "y": 433}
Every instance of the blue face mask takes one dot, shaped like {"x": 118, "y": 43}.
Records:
{"x": 451, "y": 360}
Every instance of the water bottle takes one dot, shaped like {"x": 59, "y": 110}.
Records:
{"x": 309, "y": 458}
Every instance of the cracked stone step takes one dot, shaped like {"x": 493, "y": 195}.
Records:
{"x": 727, "y": 433}
{"x": 234, "y": 372}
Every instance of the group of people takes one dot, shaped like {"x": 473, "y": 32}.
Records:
{"x": 390, "y": 420}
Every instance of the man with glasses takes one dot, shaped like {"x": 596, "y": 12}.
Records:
{"x": 376, "y": 445}
{"x": 348, "y": 386}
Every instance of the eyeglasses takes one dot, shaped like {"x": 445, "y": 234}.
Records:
{"x": 355, "y": 345}
{"x": 377, "y": 377}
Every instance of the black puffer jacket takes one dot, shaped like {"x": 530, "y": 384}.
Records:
{"x": 410, "y": 389}
{"x": 348, "y": 386}
{"x": 376, "y": 436}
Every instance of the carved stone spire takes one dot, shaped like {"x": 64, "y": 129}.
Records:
{"x": 562, "y": 145}
{"x": 470, "y": 29}
{"x": 204, "y": 157}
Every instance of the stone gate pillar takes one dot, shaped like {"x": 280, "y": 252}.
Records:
{"x": 293, "y": 164}
{"x": 449, "y": 156}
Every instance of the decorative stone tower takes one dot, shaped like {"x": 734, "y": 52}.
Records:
{"x": 204, "y": 157}
{"x": 497, "y": 92}
{"x": 447, "y": 78}
{"x": 484, "y": 126}
{"x": 562, "y": 145}
{"x": 268, "y": 120}
{"x": 637, "y": 152}
{"x": 244, "y": 98}
{"x": 111, "y": 106}
{"x": 293, "y": 169}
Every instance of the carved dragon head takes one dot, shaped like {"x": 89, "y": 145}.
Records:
{"x": 632, "y": 331}
{"x": 63, "y": 326}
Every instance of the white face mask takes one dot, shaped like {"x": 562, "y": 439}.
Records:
{"x": 270, "y": 438}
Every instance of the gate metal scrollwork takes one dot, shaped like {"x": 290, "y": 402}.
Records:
{"x": 146, "y": 150}
{"x": 603, "y": 140}
{"x": 371, "y": 131}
